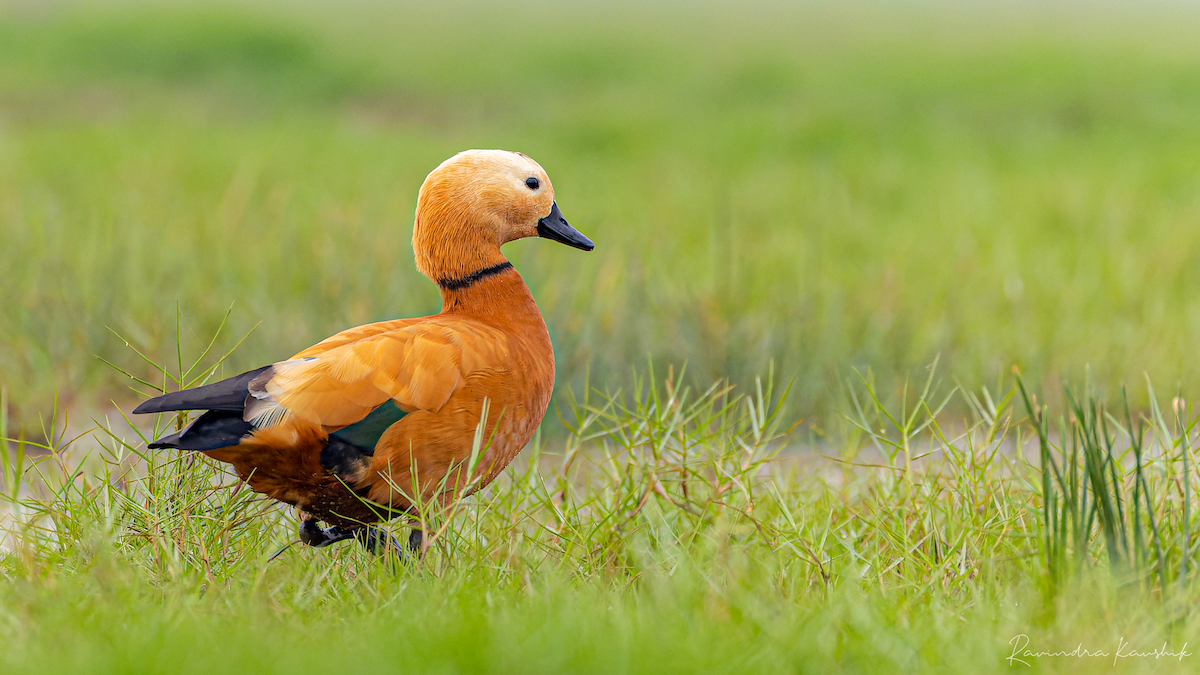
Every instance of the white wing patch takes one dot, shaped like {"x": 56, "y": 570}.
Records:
{"x": 262, "y": 410}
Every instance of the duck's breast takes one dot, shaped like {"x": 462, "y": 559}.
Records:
{"x": 427, "y": 452}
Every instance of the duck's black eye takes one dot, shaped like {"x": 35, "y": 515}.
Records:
{"x": 532, "y": 183}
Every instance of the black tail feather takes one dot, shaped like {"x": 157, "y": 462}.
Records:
{"x": 214, "y": 429}
{"x": 227, "y": 395}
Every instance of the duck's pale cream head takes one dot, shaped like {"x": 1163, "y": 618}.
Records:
{"x": 477, "y": 201}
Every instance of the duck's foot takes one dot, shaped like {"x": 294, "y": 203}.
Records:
{"x": 318, "y": 537}
{"x": 374, "y": 539}
{"x": 379, "y": 542}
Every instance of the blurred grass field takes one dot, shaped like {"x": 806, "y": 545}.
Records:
{"x": 822, "y": 186}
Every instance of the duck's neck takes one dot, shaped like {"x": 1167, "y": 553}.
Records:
{"x": 469, "y": 279}
{"x": 451, "y": 246}
{"x": 496, "y": 291}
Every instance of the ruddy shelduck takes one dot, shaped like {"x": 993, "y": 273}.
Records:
{"x": 362, "y": 425}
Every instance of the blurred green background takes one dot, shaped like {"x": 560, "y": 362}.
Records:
{"x": 824, "y": 186}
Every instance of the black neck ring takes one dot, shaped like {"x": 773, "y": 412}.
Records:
{"x": 463, "y": 282}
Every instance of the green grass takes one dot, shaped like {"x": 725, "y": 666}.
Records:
{"x": 831, "y": 189}
{"x": 667, "y": 532}
{"x": 820, "y": 187}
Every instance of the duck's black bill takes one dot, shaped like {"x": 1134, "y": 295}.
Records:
{"x": 555, "y": 227}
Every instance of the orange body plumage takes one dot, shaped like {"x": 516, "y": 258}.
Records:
{"x": 358, "y": 426}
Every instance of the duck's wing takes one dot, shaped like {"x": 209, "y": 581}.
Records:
{"x": 339, "y": 382}
{"x": 354, "y": 384}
